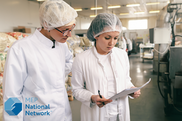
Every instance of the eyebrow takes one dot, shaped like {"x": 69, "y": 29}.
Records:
{"x": 64, "y": 29}
{"x": 115, "y": 36}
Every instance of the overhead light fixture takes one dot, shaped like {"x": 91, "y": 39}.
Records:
{"x": 168, "y": 1}
{"x": 97, "y": 8}
{"x": 78, "y": 9}
{"x": 132, "y": 5}
{"x": 40, "y": 0}
{"x": 155, "y": 3}
{"x": 93, "y": 16}
{"x": 156, "y": 11}
{"x": 141, "y": 12}
{"x": 115, "y": 6}
{"x": 123, "y": 13}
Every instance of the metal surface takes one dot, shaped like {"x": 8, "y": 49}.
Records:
{"x": 175, "y": 62}
{"x": 178, "y": 82}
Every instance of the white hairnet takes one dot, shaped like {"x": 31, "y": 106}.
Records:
{"x": 56, "y": 13}
{"x": 103, "y": 22}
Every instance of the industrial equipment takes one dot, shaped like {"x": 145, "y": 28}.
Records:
{"x": 172, "y": 76}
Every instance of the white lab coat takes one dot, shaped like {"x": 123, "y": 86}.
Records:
{"x": 124, "y": 44}
{"x": 88, "y": 69}
{"x": 129, "y": 44}
{"x": 34, "y": 70}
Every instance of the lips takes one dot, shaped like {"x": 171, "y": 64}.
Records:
{"x": 65, "y": 38}
{"x": 109, "y": 48}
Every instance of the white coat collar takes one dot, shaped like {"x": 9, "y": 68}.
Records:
{"x": 44, "y": 40}
{"x": 96, "y": 53}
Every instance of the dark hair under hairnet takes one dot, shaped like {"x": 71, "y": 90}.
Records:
{"x": 103, "y": 22}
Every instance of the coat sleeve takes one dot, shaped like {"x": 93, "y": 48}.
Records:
{"x": 68, "y": 61}
{"x": 79, "y": 91}
{"x": 14, "y": 75}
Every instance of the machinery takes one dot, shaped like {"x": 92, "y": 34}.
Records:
{"x": 173, "y": 82}
{"x": 172, "y": 77}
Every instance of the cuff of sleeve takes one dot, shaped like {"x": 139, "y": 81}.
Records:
{"x": 92, "y": 104}
{"x": 88, "y": 101}
{"x": 130, "y": 97}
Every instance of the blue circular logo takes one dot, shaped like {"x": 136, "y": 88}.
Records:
{"x": 13, "y": 106}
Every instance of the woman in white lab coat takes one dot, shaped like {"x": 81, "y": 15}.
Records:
{"x": 36, "y": 67}
{"x": 104, "y": 68}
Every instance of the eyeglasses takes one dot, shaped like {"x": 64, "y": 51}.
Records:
{"x": 67, "y": 31}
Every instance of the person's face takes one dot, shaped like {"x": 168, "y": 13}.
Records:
{"x": 61, "y": 34}
{"x": 106, "y": 41}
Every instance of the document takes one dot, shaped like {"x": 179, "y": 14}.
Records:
{"x": 128, "y": 91}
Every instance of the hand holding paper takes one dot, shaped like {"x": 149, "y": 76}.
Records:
{"x": 135, "y": 94}
{"x": 128, "y": 91}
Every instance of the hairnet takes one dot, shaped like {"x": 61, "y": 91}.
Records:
{"x": 56, "y": 13}
{"x": 103, "y": 22}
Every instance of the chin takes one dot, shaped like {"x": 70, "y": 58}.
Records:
{"x": 62, "y": 41}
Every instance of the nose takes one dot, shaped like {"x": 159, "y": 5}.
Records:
{"x": 111, "y": 42}
{"x": 69, "y": 34}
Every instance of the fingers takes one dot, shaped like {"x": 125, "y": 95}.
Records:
{"x": 102, "y": 101}
{"x": 101, "y": 105}
{"x": 137, "y": 94}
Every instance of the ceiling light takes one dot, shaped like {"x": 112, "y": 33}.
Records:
{"x": 78, "y": 9}
{"x": 93, "y": 16}
{"x": 168, "y": 1}
{"x": 155, "y": 3}
{"x": 40, "y": 0}
{"x": 132, "y": 5}
{"x": 124, "y": 13}
{"x": 115, "y": 6}
{"x": 97, "y": 8}
{"x": 141, "y": 12}
{"x": 156, "y": 11}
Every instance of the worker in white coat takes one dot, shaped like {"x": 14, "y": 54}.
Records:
{"x": 104, "y": 69}
{"x": 36, "y": 66}
{"x": 122, "y": 42}
{"x": 129, "y": 44}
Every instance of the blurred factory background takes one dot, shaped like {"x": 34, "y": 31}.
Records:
{"x": 152, "y": 36}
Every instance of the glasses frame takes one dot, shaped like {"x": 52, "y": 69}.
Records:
{"x": 67, "y": 31}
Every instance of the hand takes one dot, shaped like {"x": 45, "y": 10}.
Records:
{"x": 177, "y": 42}
{"x": 135, "y": 94}
{"x": 100, "y": 101}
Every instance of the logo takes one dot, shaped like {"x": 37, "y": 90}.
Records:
{"x": 34, "y": 108}
{"x": 13, "y": 106}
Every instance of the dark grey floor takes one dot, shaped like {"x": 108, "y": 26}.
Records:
{"x": 149, "y": 106}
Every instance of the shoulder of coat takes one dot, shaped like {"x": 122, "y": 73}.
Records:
{"x": 84, "y": 55}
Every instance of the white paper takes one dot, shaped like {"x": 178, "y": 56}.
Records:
{"x": 128, "y": 91}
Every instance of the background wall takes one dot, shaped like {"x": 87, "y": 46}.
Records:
{"x": 151, "y": 21}
{"x": 141, "y": 34}
{"x": 14, "y": 13}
